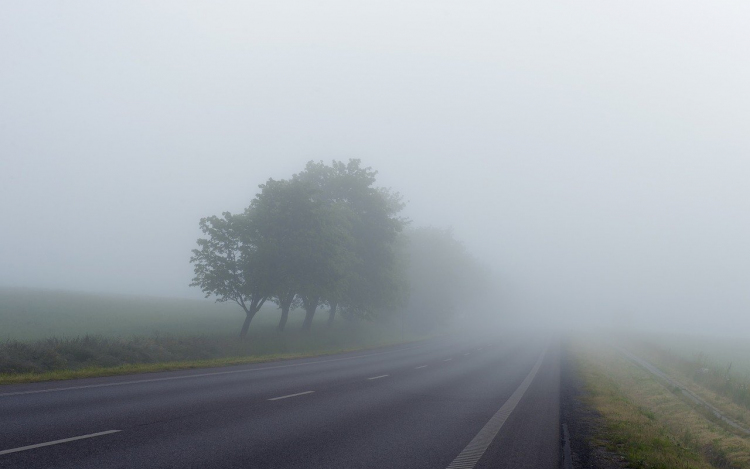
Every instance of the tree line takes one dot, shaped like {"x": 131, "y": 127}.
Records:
{"x": 328, "y": 236}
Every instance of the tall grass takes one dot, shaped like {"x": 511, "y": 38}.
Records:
{"x": 649, "y": 424}
{"x": 54, "y": 354}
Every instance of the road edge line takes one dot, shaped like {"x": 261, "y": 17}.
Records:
{"x": 57, "y": 442}
{"x": 470, "y": 455}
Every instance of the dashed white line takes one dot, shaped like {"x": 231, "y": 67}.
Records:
{"x": 378, "y": 377}
{"x": 447, "y": 359}
{"x": 57, "y": 442}
{"x": 466, "y": 355}
{"x": 291, "y": 395}
{"x": 423, "y": 366}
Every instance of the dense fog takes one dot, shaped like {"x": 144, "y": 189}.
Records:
{"x": 595, "y": 155}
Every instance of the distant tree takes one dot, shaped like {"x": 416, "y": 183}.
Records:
{"x": 274, "y": 219}
{"x": 374, "y": 282}
{"x": 442, "y": 276}
{"x": 309, "y": 239}
{"x": 228, "y": 265}
{"x": 326, "y": 257}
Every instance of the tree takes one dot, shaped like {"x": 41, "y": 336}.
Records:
{"x": 325, "y": 255}
{"x": 442, "y": 276}
{"x": 273, "y": 215}
{"x": 228, "y": 265}
{"x": 308, "y": 241}
{"x": 375, "y": 281}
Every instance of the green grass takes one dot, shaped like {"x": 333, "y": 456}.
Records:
{"x": 719, "y": 365}
{"x": 60, "y": 335}
{"x": 719, "y": 351}
{"x": 33, "y": 314}
{"x": 648, "y": 424}
{"x": 99, "y": 371}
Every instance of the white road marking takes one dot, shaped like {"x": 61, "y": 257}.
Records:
{"x": 466, "y": 355}
{"x": 291, "y": 395}
{"x": 423, "y": 366}
{"x": 199, "y": 375}
{"x": 469, "y": 457}
{"x": 378, "y": 377}
{"x": 57, "y": 442}
{"x": 447, "y": 359}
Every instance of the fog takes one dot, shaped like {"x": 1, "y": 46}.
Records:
{"x": 596, "y": 154}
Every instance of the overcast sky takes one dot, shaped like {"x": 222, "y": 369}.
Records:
{"x": 597, "y": 154}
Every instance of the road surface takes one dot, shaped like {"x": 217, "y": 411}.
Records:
{"x": 455, "y": 403}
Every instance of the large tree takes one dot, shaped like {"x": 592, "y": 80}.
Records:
{"x": 310, "y": 242}
{"x": 375, "y": 282}
{"x": 230, "y": 266}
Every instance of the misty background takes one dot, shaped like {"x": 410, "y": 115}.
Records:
{"x": 595, "y": 154}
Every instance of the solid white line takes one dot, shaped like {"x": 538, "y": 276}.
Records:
{"x": 378, "y": 377}
{"x": 57, "y": 442}
{"x": 447, "y": 359}
{"x": 469, "y": 457}
{"x": 423, "y": 366}
{"x": 291, "y": 395}
{"x": 199, "y": 375}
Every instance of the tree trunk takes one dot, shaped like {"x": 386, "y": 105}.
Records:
{"x": 284, "y": 317}
{"x": 246, "y": 324}
{"x": 332, "y": 314}
{"x": 310, "y": 307}
{"x": 255, "y": 306}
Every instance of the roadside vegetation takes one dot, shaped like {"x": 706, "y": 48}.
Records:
{"x": 649, "y": 424}
{"x": 721, "y": 367}
{"x": 89, "y": 356}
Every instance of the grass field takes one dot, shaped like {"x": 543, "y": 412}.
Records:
{"x": 718, "y": 365}
{"x": 648, "y": 423}
{"x": 719, "y": 352}
{"x": 30, "y": 314}
{"x": 59, "y": 335}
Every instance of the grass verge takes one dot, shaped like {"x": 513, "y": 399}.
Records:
{"x": 648, "y": 424}
{"x": 100, "y": 371}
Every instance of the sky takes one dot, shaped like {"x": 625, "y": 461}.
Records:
{"x": 596, "y": 154}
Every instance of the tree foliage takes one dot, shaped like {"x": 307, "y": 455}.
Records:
{"x": 230, "y": 266}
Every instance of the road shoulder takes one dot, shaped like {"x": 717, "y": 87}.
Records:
{"x": 584, "y": 423}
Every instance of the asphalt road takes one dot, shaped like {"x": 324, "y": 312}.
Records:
{"x": 437, "y": 404}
